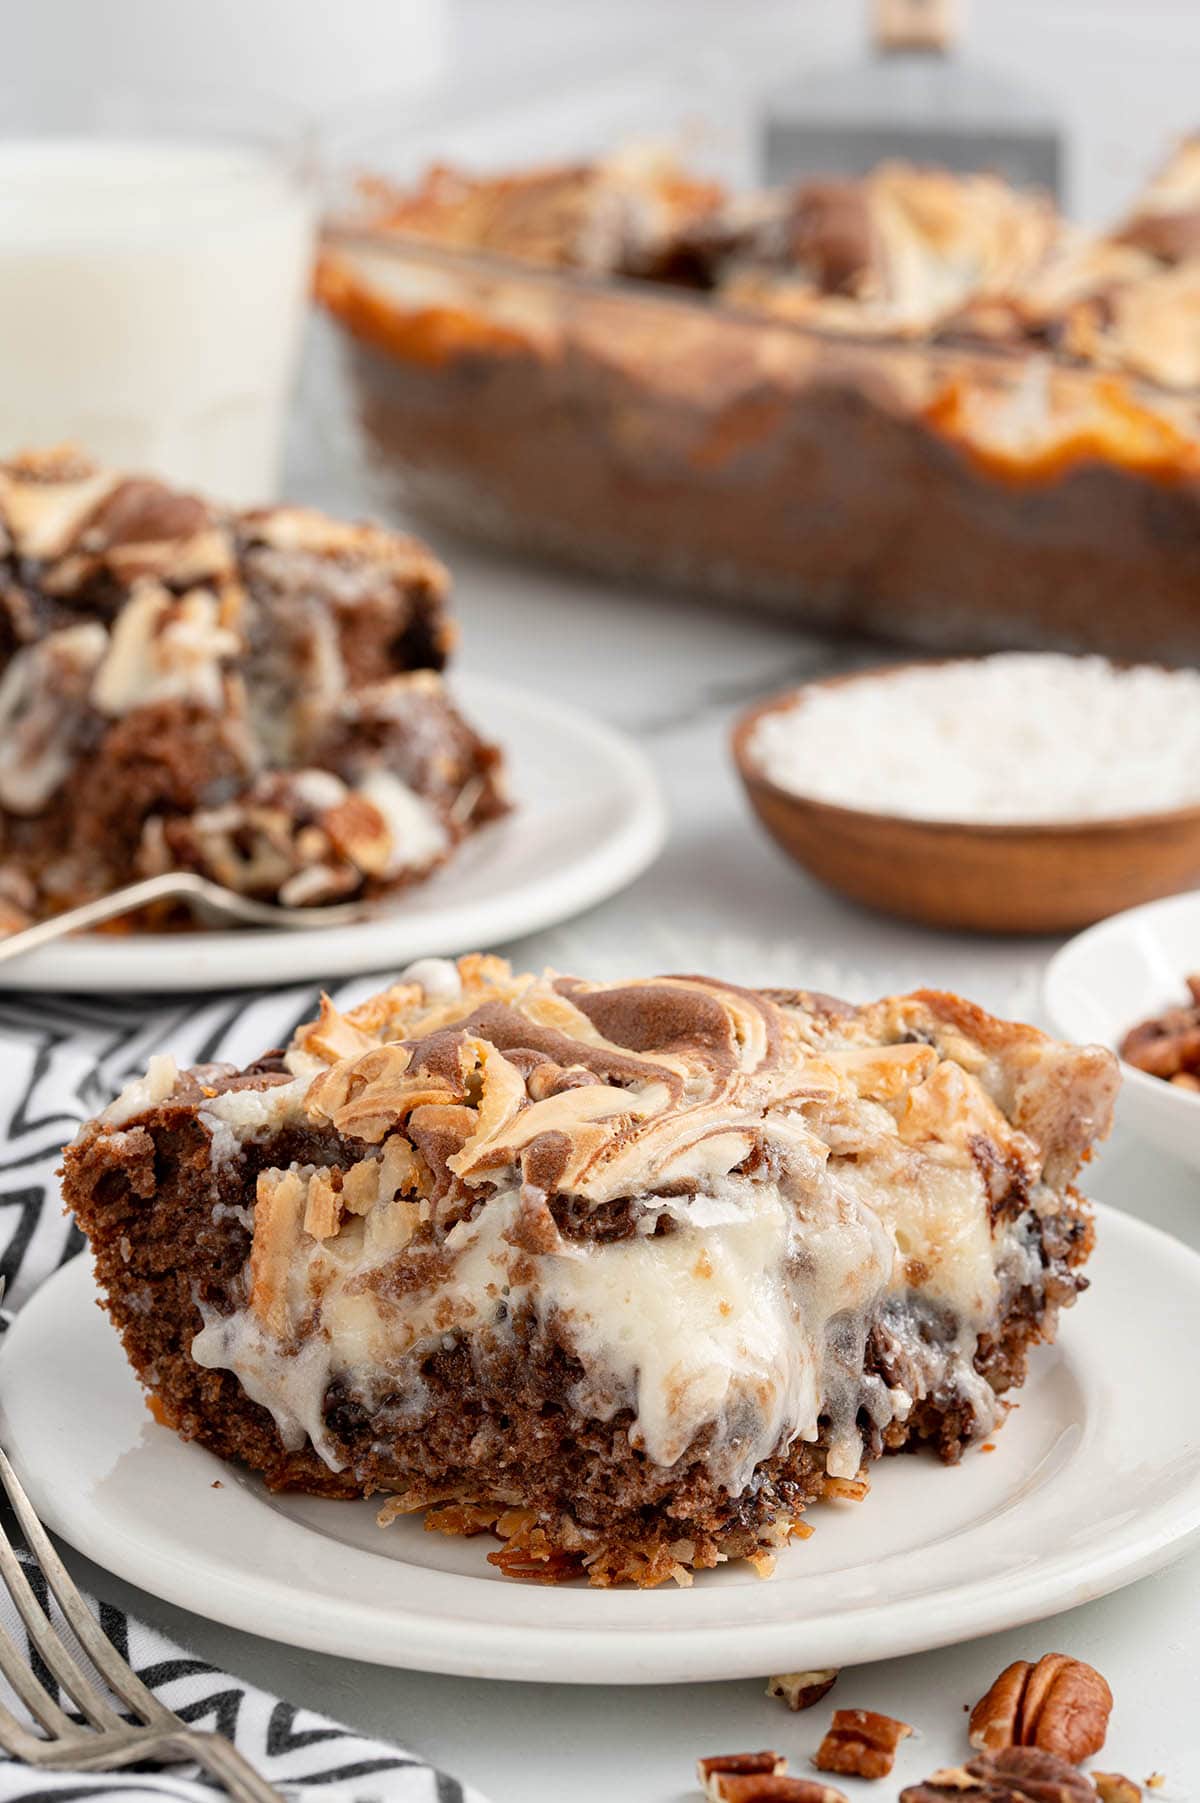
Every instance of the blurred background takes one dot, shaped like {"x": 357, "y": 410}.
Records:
{"x": 1120, "y": 75}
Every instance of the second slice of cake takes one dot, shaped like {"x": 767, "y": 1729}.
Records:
{"x": 256, "y": 697}
{"x": 627, "y": 1273}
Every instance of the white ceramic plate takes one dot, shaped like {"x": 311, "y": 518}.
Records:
{"x": 1118, "y": 973}
{"x": 1095, "y": 1480}
{"x": 588, "y": 819}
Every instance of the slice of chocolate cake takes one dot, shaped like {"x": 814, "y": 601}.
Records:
{"x": 629, "y": 1274}
{"x": 253, "y": 696}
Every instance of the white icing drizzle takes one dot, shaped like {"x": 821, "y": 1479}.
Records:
{"x": 37, "y": 723}
{"x": 237, "y": 1116}
{"x": 438, "y": 977}
{"x": 164, "y": 648}
{"x": 162, "y": 1074}
{"x": 292, "y": 1388}
{"x": 722, "y": 1323}
{"x": 418, "y": 836}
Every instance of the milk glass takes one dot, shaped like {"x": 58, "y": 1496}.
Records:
{"x": 154, "y": 267}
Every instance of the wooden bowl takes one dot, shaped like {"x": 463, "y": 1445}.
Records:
{"x": 990, "y": 879}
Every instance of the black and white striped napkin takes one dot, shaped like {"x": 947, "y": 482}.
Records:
{"x": 62, "y": 1059}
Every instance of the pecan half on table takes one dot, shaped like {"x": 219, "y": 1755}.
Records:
{"x": 1060, "y": 1705}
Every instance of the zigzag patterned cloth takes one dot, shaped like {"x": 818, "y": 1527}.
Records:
{"x": 61, "y": 1059}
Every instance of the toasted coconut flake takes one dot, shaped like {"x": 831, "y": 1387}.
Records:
{"x": 280, "y": 1201}
{"x": 360, "y": 1186}
{"x": 323, "y": 1209}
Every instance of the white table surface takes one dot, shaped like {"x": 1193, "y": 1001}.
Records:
{"x": 721, "y": 897}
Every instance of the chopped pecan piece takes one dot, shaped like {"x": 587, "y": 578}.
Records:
{"x": 737, "y": 1765}
{"x": 800, "y": 1690}
{"x": 861, "y": 1743}
{"x": 1013, "y": 1775}
{"x": 1114, "y": 1787}
{"x": 1168, "y": 1044}
{"x": 771, "y": 1787}
{"x": 1060, "y": 1705}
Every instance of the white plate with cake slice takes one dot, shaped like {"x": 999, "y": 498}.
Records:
{"x": 587, "y": 818}
{"x": 1093, "y": 1481}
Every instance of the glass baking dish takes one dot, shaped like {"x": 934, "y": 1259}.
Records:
{"x": 952, "y": 496}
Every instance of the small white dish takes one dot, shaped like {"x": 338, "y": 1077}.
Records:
{"x": 588, "y": 818}
{"x": 1094, "y": 1481}
{"x": 1117, "y": 973}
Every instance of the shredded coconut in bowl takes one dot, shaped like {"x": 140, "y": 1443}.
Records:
{"x": 1018, "y": 739}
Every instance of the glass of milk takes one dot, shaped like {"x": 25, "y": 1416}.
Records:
{"x": 154, "y": 269}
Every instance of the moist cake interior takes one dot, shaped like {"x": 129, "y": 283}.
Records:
{"x": 627, "y": 1274}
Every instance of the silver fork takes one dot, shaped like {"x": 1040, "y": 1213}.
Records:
{"x": 104, "y": 1741}
{"x": 210, "y": 899}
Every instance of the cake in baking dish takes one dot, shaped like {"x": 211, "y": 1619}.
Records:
{"x": 255, "y": 696}
{"x": 628, "y": 1274}
{"x": 917, "y": 404}
{"x": 904, "y": 251}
